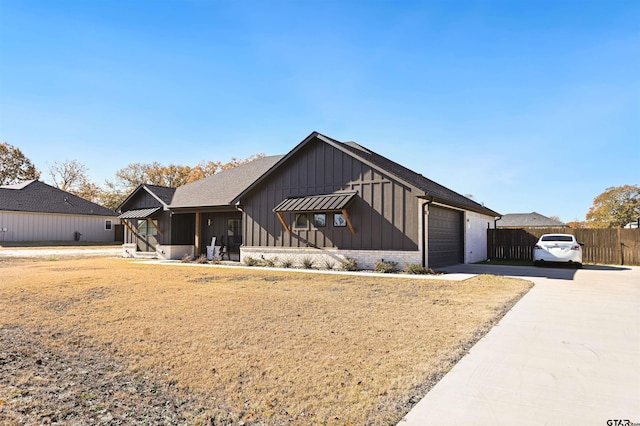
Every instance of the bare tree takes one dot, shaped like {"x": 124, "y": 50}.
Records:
{"x": 68, "y": 175}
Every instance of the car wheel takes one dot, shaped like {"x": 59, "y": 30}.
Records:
{"x": 536, "y": 263}
{"x": 578, "y": 265}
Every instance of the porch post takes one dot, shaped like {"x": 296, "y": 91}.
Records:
{"x": 198, "y": 234}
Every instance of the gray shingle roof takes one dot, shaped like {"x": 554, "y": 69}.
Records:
{"x": 430, "y": 188}
{"x": 527, "y": 220}
{"x": 165, "y": 193}
{"x": 38, "y": 197}
{"x": 440, "y": 193}
{"x": 220, "y": 189}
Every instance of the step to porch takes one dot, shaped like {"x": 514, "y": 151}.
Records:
{"x": 146, "y": 255}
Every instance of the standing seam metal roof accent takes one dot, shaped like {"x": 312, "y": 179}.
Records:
{"x": 318, "y": 203}
{"x": 139, "y": 213}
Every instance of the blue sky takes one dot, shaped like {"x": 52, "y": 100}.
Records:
{"x": 526, "y": 105}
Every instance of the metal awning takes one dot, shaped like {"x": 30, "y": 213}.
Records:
{"x": 316, "y": 203}
{"x": 337, "y": 202}
{"x": 139, "y": 213}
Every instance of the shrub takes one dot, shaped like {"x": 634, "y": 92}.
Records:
{"x": 307, "y": 263}
{"x": 186, "y": 259}
{"x": 286, "y": 263}
{"x": 202, "y": 259}
{"x": 386, "y": 267}
{"x": 349, "y": 264}
{"x": 269, "y": 262}
{"x": 329, "y": 264}
{"x": 250, "y": 261}
{"x": 417, "y": 269}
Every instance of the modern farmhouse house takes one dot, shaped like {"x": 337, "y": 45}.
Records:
{"x": 325, "y": 199}
{"x": 35, "y": 211}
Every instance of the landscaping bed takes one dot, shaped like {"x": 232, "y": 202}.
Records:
{"x": 116, "y": 341}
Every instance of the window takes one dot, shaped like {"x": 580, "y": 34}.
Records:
{"x": 234, "y": 231}
{"x": 560, "y": 238}
{"x": 319, "y": 220}
{"x": 339, "y": 220}
{"x": 301, "y": 221}
{"x": 147, "y": 227}
{"x": 107, "y": 225}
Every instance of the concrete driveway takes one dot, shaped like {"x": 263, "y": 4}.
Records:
{"x": 567, "y": 353}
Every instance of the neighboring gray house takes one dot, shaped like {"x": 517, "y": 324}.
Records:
{"x": 325, "y": 200}
{"x": 528, "y": 220}
{"x": 35, "y": 211}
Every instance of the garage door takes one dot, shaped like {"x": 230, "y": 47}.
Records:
{"x": 445, "y": 237}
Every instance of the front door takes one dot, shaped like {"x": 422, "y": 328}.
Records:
{"x": 147, "y": 235}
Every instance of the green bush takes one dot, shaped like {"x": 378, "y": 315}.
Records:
{"x": 329, "y": 264}
{"x": 349, "y": 264}
{"x": 286, "y": 263}
{"x": 385, "y": 267}
{"x": 250, "y": 261}
{"x": 269, "y": 262}
{"x": 417, "y": 269}
{"x": 307, "y": 263}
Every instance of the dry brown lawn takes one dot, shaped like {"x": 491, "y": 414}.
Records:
{"x": 186, "y": 344}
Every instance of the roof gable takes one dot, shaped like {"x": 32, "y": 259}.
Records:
{"x": 162, "y": 194}
{"x": 426, "y": 186}
{"x": 433, "y": 189}
{"x": 38, "y": 197}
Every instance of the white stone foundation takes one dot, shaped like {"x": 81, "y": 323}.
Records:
{"x": 175, "y": 252}
{"x": 129, "y": 250}
{"x": 365, "y": 258}
{"x": 162, "y": 252}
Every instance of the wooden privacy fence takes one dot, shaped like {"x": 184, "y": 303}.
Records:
{"x": 605, "y": 246}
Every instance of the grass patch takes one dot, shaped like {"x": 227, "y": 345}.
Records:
{"x": 259, "y": 347}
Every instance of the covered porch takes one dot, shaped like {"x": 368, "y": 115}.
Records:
{"x": 221, "y": 229}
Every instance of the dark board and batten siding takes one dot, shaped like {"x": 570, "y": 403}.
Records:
{"x": 384, "y": 213}
{"x": 143, "y": 200}
{"x": 183, "y": 229}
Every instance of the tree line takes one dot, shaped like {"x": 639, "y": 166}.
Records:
{"x": 73, "y": 177}
{"x": 614, "y": 208}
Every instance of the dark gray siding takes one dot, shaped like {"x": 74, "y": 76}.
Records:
{"x": 384, "y": 214}
{"x": 183, "y": 229}
{"x": 164, "y": 224}
{"x": 445, "y": 237}
{"x": 142, "y": 200}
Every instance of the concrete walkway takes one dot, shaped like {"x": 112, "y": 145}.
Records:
{"x": 568, "y": 353}
{"x": 71, "y": 251}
